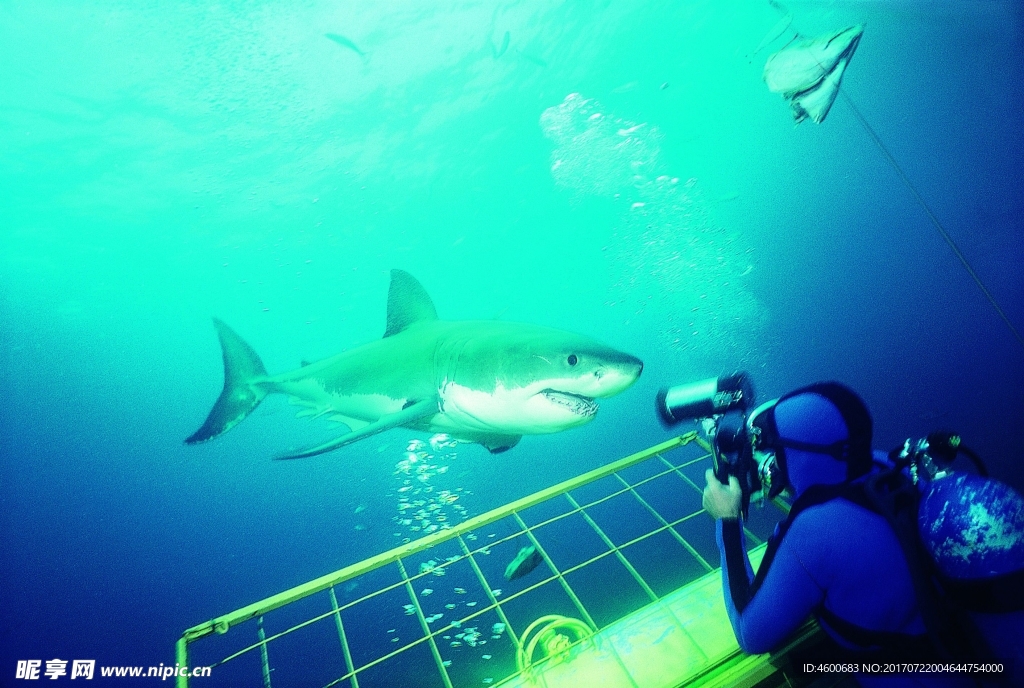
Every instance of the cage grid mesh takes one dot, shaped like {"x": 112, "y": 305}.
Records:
{"x": 394, "y": 634}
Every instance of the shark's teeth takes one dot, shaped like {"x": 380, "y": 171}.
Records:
{"x": 580, "y": 405}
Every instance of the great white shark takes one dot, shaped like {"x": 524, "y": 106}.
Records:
{"x": 484, "y": 381}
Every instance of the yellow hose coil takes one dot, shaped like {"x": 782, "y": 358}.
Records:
{"x": 555, "y": 634}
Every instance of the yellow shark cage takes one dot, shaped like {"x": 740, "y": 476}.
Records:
{"x": 627, "y": 595}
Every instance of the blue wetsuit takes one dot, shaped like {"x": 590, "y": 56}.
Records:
{"x": 835, "y": 554}
{"x": 842, "y": 562}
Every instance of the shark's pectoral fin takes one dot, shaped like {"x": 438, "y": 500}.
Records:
{"x": 491, "y": 441}
{"x": 411, "y": 413}
{"x": 500, "y": 443}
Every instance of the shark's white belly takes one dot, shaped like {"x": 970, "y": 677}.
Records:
{"x": 515, "y": 411}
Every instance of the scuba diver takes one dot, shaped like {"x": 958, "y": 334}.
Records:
{"x": 839, "y": 557}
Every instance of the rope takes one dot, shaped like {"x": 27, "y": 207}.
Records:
{"x": 917, "y": 196}
{"x": 931, "y": 216}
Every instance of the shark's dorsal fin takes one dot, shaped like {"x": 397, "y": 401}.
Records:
{"x": 408, "y": 303}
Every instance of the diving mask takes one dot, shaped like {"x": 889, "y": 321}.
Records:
{"x": 770, "y": 471}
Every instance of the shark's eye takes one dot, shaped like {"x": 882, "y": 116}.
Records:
{"x": 572, "y": 360}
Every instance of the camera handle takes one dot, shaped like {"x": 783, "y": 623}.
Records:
{"x": 710, "y": 427}
{"x": 722, "y": 468}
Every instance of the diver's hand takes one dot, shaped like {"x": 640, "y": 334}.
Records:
{"x": 722, "y": 501}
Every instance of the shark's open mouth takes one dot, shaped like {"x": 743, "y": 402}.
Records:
{"x": 580, "y": 405}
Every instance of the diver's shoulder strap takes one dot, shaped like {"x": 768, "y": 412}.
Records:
{"x": 877, "y": 646}
{"x": 813, "y": 496}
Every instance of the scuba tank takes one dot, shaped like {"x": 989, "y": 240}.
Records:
{"x": 971, "y": 526}
{"x": 970, "y": 531}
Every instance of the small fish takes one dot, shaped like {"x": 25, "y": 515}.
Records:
{"x": 627, "y": 132}
{"x": 498, "y": 52}
{"x": 527, "y": 560}
{"x": 347, "y": 43}
{"x": 532, "y": 58}
{"x": 426, "y": 591}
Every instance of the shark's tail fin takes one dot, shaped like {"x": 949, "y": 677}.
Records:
{"x": 241, "y": 366}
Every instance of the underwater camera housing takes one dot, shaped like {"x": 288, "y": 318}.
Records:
{"x": 715, "y": 404}
{"x": 705, "y": 398}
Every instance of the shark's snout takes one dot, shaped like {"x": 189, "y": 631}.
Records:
{"x": 616, "y": 375}
{"x": 636, "y": 365}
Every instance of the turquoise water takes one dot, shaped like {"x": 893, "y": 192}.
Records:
{"x": 618, "y": 170}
